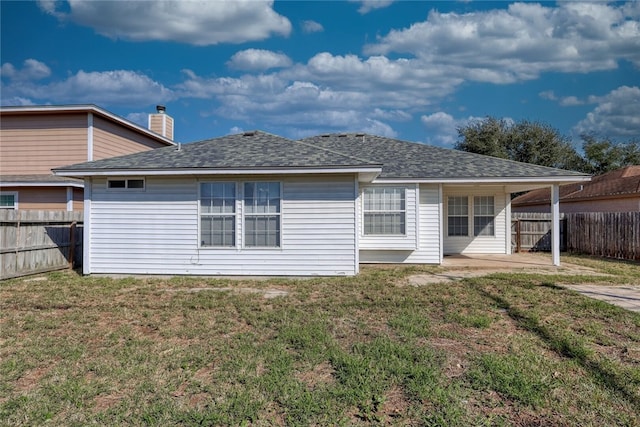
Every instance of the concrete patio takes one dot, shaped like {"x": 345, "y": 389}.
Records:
{"x": 458, "y": 267}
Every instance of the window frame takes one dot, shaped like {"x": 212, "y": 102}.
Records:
{"x": 233, "y": 215}
{"x": 127, "y": 186}
{"x": 368, "y": 211}
{"x": 450, "y": 215}
{"x": 15, "y": 200}
{"x": 245, "y": 215}
{"x": 241, "y": 214}
{"x": 492, "y": 222}
{"x": 472, "y": 214}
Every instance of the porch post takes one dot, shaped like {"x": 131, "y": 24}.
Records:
{"x": 555, "y": 224}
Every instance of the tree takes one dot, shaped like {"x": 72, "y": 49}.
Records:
{"x": 603, "y": 155}
{"x": 525, "y": 141}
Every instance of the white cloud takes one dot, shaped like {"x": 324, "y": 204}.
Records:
{"x": 395, "y": 115}
{"x": 258, "y": 59}
{"x": 444, "y": 127}
{"x": 15, "y": 101}
{"x": 566, "y": 101}
{"x": 548, "y": 94}
{"x": 194, "y": 22}
{"x": 312, "y": 27}
{"x": 617, "y": 114}
{"x": 570, "y": 101}
{"x": 367, "y": 6}
{"x": 117, "y": 87}
{"x": 31, "y": 70}
{"x": 235, "y": 129}
{"x": 520, "y": 42}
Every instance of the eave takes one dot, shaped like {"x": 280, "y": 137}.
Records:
{"x": 365, "y": 174}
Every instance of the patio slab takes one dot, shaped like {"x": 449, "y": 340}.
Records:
{"x": 458, "y": 267}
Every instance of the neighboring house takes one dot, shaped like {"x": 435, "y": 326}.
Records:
{"x": 36, "y": 139}
{"x": 259, "y": 204}
{"x": 616, "y": 191}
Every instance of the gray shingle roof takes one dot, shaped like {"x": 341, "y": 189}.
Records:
{"x": 249, "y": 150}
{"x": 261, "y": 150}
{"x": 403, "y": 159}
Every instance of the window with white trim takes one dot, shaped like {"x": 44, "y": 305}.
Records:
{"x": 384, "y": 211}
{"x": 261, "y": 214}
{"x": 218, "y": 214}
{"x": 9, "y": 200}
{"x": 125, "y": 184}
{"x": 458, "y": 216}
{"x": 483, "y": 216}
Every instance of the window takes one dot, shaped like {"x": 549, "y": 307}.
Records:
{"x": 261, "y": 214}
{"x": 218, "y": 214}
{"x": 9, "y": 200}
{"x": 137, "y": 183}
{"x": 458, "y": 216}
{"x": 384, "y": 211}
{"x": 483, "y": 216}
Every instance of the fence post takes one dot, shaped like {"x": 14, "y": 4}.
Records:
{"x": 72, "y": 245}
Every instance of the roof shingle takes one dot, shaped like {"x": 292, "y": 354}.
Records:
{"x": 403, "y": 159}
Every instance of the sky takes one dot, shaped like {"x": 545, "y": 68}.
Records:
{"x": 410, "y": 70}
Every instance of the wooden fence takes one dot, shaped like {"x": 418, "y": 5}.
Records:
{"x": 613, "y": 235}
{"x": 39, "y": 241}
{"x": 532, "y": 232}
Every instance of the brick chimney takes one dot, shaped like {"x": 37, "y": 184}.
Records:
{"x": 161, "y": 123}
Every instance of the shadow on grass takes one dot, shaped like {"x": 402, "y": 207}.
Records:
{"x": 568, "y": 345}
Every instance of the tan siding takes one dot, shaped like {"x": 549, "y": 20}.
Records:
{"x": 43, "y": 198}
{"x": 111, "y": 140}
{"x": 155, "y": 123}
{"x": 36, "y": 144}
{"x": 169, "y": 128}
{"x": 78, "y": 199}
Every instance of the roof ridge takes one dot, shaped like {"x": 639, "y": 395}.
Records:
{"x": 337, "y": 152}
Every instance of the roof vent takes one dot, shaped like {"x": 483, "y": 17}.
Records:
{"x": 251, "y": 133}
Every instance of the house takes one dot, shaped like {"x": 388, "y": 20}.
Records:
{"x": 259, "y": 204}
{"x": 36, "y": 139}
{"x": 615, "y": 191}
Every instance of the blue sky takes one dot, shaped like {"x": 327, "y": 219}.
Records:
{"x": 406, "y": 69}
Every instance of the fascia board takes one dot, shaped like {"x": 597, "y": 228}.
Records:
{"x": 42, "y": 184}
{"x": 469, "y": 181}
{"x": 193, "y": 172}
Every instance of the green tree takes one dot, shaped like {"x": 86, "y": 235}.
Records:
{"x": 524, "y": 141}
{"x": 603, "y": 155}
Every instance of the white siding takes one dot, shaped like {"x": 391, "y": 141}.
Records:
{"x": 155, "y": 231}
{"x": 481, "y": 244}
{"x": 428, "y": 237}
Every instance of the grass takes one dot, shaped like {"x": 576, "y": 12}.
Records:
{"x": 505, "y": 349}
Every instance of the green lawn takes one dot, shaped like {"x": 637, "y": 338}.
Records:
{"x": 505, "y": 349}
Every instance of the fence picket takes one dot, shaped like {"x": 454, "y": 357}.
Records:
{"x": 38, "y": 241}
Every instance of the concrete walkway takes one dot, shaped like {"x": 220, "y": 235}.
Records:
{"x": 625, "y": 296}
